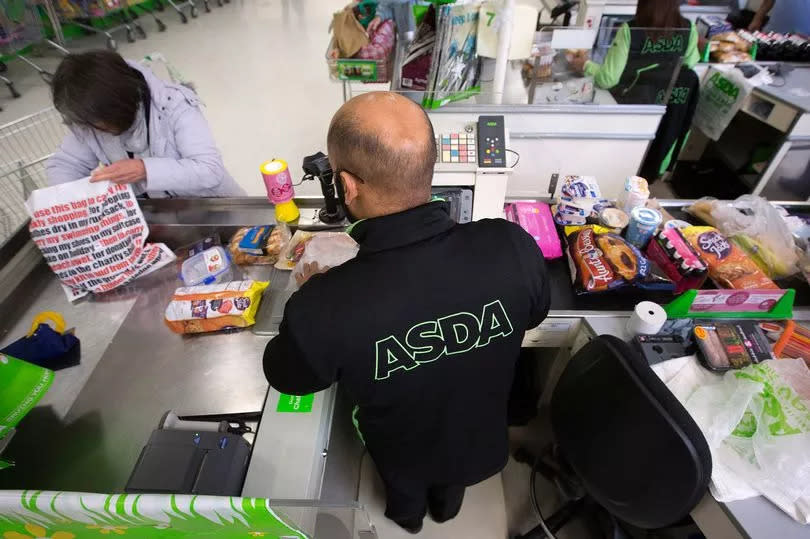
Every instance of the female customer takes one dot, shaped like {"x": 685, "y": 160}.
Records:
{"x": 140, "y": 129}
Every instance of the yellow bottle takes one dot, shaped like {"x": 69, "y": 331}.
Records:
{"x": 278, "y": 181}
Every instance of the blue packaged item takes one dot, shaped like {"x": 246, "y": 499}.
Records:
{"x": 255, "y": 239}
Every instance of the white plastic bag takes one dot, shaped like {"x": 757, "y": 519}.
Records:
{"x": 721, "y": 95}
{"x": 757, "y": 424}
{"x": 758, "y": 227}
{"x": 93, "y": 236}
{"x": 328, "y": 250}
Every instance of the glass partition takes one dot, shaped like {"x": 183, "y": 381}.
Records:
{"x": 572, "y": 65}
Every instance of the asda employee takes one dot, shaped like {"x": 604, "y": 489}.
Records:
{"x": 422, "y": 328}
{"x": 128, "y": 126}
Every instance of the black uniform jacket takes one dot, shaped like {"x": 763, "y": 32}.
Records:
{"x": 423, "y": 329}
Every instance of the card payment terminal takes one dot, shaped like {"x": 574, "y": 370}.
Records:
{"x": 491, "y": 142}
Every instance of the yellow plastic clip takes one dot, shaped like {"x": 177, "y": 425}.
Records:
{"x": 48, "y": 316}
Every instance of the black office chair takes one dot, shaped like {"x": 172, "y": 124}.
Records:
{"x": 624, "y": 441}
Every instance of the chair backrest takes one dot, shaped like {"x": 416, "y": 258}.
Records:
{"x": 638, "y": 452}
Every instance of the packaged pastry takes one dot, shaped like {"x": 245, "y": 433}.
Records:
{"x": 294, "y": 249}
{"x": 601, "y": 262}
{"x": 729, "y": 266}
{"x": 200, "y": 309}
{"x": 256, "y": 246}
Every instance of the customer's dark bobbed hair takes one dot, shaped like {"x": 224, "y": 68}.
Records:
{"x": 98, "y": 89}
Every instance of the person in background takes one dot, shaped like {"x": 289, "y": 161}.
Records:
{"x": 140, "y": 129}
{"x": 619, "y": 68}
{"x": 429, "y": 365}
{"x": 639, "y": 67}
{"x": 786, "y": 17}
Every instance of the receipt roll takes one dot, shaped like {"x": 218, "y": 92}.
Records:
{"x": 647, "y": 319}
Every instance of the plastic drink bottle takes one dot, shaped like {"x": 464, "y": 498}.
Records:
{"x": 278, "y": 181}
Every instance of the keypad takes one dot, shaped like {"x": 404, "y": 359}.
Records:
{"x": 456, "y": 148}
{"x": 491, "y": 153}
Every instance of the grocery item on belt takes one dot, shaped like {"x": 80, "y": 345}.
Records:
{"x": 580, "y": 199}
{"x": 614, "y": 218}
{"x": 208, "y": 267}
{"x": 535, "y": 218}
{"x": 676, "y": 223}
{"x": 327, "y": 250}
{"x": 199, "y": 309}
{"x": 670, "y": 251}
{"x": 601, "y": 262}
{"x": 729, "y": 266}
{"x": 253, "y": 242}
{"x": 580, "y": 187}
{"x": 634, "y": 195}
{"x": 731, "y": 345}
{"x": 642, "y": 227}
{"x": 255, "y": 250}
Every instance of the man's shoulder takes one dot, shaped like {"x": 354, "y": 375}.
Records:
{"x": 500, "y": 229}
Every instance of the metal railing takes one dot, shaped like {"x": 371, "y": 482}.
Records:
{"x": 25, "y": 146}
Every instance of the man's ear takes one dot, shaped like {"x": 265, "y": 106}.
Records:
{"x": 350, "y": 185}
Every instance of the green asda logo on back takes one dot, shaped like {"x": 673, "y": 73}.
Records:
{"x": 446, "y": 336}
{"x": 663, "y": 44}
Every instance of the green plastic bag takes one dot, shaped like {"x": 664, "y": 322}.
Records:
{"x": 22, "y": 385}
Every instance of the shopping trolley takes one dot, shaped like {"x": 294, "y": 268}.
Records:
{"x": 21, "y": 26}
{"x": 25, "y": 146}
{"x": 122, "y": 14}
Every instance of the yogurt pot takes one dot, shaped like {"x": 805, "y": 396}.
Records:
{"x": 642, "y": 227}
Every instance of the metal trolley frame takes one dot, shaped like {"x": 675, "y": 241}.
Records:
{"x": 25, "y": 146}
{"x": 20, "y": 26}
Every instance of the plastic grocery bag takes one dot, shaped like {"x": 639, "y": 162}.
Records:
{"x": 93, "y": 236}
{"x": 757, "y": 424}
{"x": 327, "y": 249}
{"x": 23, "y": 385}
{"x": 721, "y": 95}
{"x": 758, "y": 227}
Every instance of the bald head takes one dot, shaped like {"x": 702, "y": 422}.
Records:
{"x": 386, "y": 140}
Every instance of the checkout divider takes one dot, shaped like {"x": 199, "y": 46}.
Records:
{"x": 141, "y": 370}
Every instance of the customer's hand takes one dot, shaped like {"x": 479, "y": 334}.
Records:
{"x": 126, "y": 171}
{"x": 309, "y": 269}
{"x": 757, "y": 22}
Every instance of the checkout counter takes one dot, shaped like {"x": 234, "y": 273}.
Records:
{"x": 97, "y": 416}
{"x": 774, "y": 118}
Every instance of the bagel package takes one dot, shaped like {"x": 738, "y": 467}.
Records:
{"x": 200, "y": 309}
{"x": 258, "y": 245}
{"x": 601, "y": 260}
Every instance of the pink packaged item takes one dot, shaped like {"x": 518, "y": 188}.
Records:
{"x": 535, "y": 218}
{"x": 381, "y": 42}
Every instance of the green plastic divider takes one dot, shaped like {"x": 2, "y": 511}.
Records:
{"x": 681, "y": 307}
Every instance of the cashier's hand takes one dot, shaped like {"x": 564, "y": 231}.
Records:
{"x": 309, "y": 269}
{"x": 757, "y": 22}
{"x": 577, "y": 63}
{"x": 126, "y": 171}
